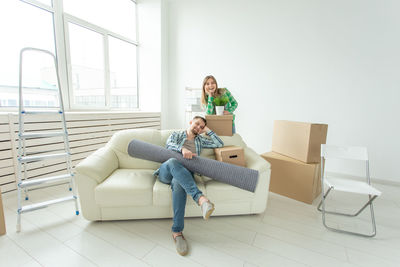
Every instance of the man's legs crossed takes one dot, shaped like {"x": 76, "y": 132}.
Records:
{"x": 172, "y": 168}
{"x": 186, "y": 181}
{"x": 182, "y": 183}
{"x": 168, "y": 171}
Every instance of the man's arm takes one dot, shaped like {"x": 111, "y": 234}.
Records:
{"x": 173, "y": 144}
{"x": 213, "y": 142}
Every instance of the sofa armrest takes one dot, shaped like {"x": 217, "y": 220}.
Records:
{"x": 255, "y": 161}
{"x": 98, "y": 165}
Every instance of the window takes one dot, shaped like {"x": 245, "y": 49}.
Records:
{"x": 117, "y": 16}
{"x": 122, "y": 82}
{"x": 87, "y": 66}
{"x": 102, "y": 52}
{"x": 32, "y": 27}
{"x": 98, "y": 65}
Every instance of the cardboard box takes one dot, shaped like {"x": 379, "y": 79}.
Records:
{"x": 2, "y": 222}
{"x": 299, "y": 140}
{"x": 220, "y": 124}
{"x": 230, "y": 154}
{"x": 293, "y": 178}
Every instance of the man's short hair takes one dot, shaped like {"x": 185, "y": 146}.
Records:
{"x": 200, "y": 117}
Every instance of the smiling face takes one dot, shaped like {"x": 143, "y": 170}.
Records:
{"x": 210, "y": 86}
{"x": 196, "y": 126}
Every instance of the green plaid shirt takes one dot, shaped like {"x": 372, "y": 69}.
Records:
{"x": 231, "y": 106}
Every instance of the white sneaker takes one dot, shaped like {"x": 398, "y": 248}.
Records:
{"x": 206, "y": 209}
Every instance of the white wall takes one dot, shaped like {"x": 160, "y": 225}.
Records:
{"x": 334, "y": 62}
{"x": 149, "y": 54}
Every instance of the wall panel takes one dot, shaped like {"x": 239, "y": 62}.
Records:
{"x": 87, "y": 131}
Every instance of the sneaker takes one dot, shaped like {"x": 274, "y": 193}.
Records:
{"x": 206, "y": 209}
{"x": 181, "y": 245}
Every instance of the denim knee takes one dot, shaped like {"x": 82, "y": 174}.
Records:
{"x": 172, "y": 162}
{"x": 175, "y": 186}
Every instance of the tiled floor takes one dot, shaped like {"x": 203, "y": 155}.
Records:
{"x": 288, "y": 233}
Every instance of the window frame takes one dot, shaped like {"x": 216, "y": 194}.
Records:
{"x": 63, "y": 55}
{"x": 68, "y": 18}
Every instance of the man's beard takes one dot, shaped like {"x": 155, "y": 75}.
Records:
{"x": 193, "y": 132}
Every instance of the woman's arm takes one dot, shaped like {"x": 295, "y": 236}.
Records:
{"x": 210, "y": 105}
{"x": 232, "y": 105}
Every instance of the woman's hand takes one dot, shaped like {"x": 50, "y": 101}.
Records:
{"x": 210, "y": 92}
{"x": 187, "y": 154}
{"x": 227, "y": 112}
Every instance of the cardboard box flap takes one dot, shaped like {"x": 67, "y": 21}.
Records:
{"x": 219, "y": 117}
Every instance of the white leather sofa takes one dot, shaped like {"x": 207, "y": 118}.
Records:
{"x": 114, "y": 186}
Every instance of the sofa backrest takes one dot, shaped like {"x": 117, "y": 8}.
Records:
{"x": 119, "y": 143}
{"x": 120, "y": 140}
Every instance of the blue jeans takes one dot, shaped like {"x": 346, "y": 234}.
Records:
{"x": 182, "y": 184}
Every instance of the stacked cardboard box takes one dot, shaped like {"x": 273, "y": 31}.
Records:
{"x": 295, "y": 159}
{"x": 220, "y": 124}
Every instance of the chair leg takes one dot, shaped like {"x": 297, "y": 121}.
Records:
{"x": 324, "y": 212}
{"x": 346, "y": 214}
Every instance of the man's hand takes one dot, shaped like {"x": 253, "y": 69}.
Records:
{"x": 205, "y": 130}
{"x": 187, "y": 154}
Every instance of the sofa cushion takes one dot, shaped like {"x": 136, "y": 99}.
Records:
{"x": 119, "y": 143}
{"x": 162, "y": 195}
{"x": 126, "y": 187}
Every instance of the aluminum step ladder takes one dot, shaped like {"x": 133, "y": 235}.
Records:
{"x": 24, "y": 184}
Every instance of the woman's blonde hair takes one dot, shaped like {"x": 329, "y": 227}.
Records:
{"x": 204, "y": 96}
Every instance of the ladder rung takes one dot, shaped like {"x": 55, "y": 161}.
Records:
{"x": 41, "y": 134}
{"x": 33, "y": 182}
{"x": 41, "y": 112}
{"x": 39, "y": 158}
{"x": 44, "y": 204}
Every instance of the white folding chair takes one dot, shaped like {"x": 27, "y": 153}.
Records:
{"x": 347, "y": 185}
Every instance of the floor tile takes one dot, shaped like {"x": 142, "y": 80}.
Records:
{"x": 11, "y": 254}
{"x": 162, "y": 257}
{"x": 101, "y": 252}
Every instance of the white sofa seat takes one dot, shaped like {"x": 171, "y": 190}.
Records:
{"x": 126, "y": 188}
{"x": 114, "y": 186}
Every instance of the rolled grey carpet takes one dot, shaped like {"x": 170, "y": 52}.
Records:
{"x": 238, "y": 176}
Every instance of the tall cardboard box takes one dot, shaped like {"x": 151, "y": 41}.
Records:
{"x": 230, "y": 154}
{"x": 2, "y": 222}
{"x": 220, "y": 124}
{"x": 293, "y": 178}
{"x": 299, "y": 140}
